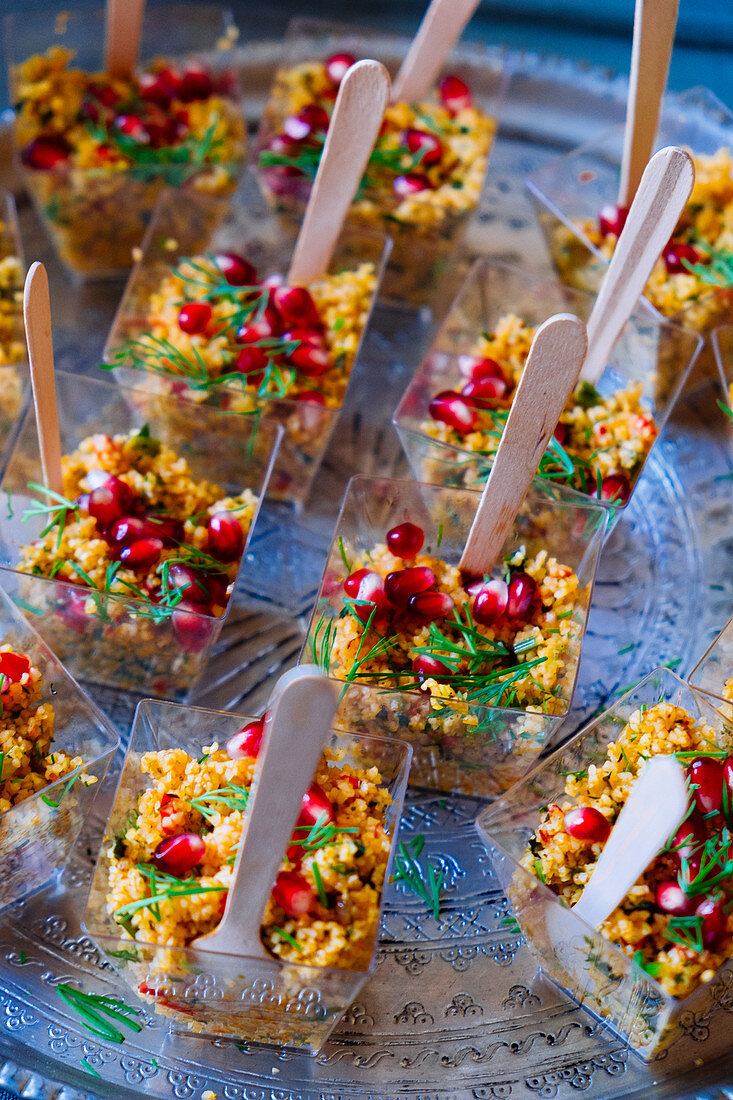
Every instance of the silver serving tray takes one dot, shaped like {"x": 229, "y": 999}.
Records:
{"x": 456, "y": 1008}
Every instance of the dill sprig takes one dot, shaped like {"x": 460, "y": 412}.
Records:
{"x": 57, "y": 512}
{"x": 182, "y": 160}
{"x": 99, "y": 1013}
{"x": 687, "y": 931}
{"x": 231, "y": 796}
{"x": 163, "y": 887}
{"x": 717, "y": 270}
{"x": 424, "y": 881}
{"x": 322, "y": 833}
{"x": 287, "y": 937}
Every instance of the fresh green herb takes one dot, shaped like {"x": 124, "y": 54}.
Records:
{"x": 22, "y": 957}
{"x": 170, "y": 887}
{"x": 651, "y": 968}
{"x": 64, "y": 791}
{"x": 144, "y": 442}
{"x": 587, "y": 395}
{"x": 89, "y": 1068}
{"x": 425, "y": 881}
{"x": 319, "y": 884}
{"x": 287, "y": 937}
{"x": 537, "y": 864}
{"x": 511, "y": 924}
{"x": 232, "y": 796}
{"x": 717, "y": 270}
{"x": 344, "y": 557}
{"x": 99, "y": 1013}
{"x": 726, "y": 408}
{"x": 320, "y": 834}
{"x": 687, "y": 931}
{"x": 440, "y": 535}
{"x": 627, "y": 649}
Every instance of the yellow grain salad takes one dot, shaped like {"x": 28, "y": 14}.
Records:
{"x": 170, "y": 870}
{"x": 676, "y": 920}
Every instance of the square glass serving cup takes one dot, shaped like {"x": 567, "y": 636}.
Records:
{"x": 589, "y": 966}
{"x": 14, "y": 378}
{"x": 121, "y": 640}
{"x": 424, "y": 244}
{"x": 713, "y": 673}
{"x": 186, "y": 225}
{"x": 37, "y": 835}
{"x": 458, "y": 743}
{"x": 492, "y": 290}
{"x": 260, "y": 1000}
{"x": 97, "y": 214}
{"x": 569, "y": 191}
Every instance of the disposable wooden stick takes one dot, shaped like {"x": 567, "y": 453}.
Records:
{"x": 549, "y": 375}
{"x": 301, "y": 713}
{"x": 654, "y": 26}
{"x": 37, "y": 316}
{"x": 664, "y": 189}
{"x": 441, "y": 27}
{"x": 357, "y": 116}
{"x": 122, "y": 30}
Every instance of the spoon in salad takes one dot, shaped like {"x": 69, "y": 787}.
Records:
{"x": 441, "y": 27}
{"x": 37, "y": 318}
{"x": 122, "y": 29}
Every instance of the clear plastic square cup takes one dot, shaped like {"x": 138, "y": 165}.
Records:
{"x": 121, "y": 640}
{"x": 423, "y": 244}
{"x": 493, "y": 290}
{"x": 569, "y": 191}
{"x": 457, "y": 745}
{"x": 713, "y": 673}
{"x": 96, "y": 215}
{"x": 37, "y": 834}
{"x": 14, "y": 379}
{"x": 590, "y": 967}
{"x": 188, "y": 225}
{"x": 259, "y": 1000}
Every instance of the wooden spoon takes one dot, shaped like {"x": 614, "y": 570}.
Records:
{"x": 355, "y": 122}
{"x": 122, "y": 30}
{"x": 654, "y": 27}
{"x": 441, "y": 27}
{"x": 664, "y": 189}
{"x": 550, "y": 373}
{"x": 301, "y": 713}
{"x": 37, "y": 317}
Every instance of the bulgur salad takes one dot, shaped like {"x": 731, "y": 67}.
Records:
{"x": 12, "y": 338}
{"x": 600, "y": 442}
{"x": 170, "y": 869}
{"x": 676, "y": 921}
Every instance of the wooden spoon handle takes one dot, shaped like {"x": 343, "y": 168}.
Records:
{"x": 122, "y": 31}
{"x": 441, "y": 27}
{"x": 664, "y": 189}
{"x": 37, "y": 316}
{"x": 654, "y": 27}
{"x": 549, "y": 375}
{"x": 357, "y": 116}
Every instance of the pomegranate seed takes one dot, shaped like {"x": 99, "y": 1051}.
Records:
{"x": 236, "y": 270}
{"x": 728, "y": 781}
{"x": 430, "y": 668}
{"x": 154, "y": 90}
{"x": 352, "y": 582}
{"x": 225, "y": 540}
{"x": 13, "y": 666}
{"x": 714, "y": 921}
{"x": 411, "y": 184}
{"x": 127, "y": 529}
{"x": 132, "y": 126}
{"x": 616, "y": 488}
{"x": 472, "y": 367}
{"x": 428, "y": 145}
{"x": 110, "y": 500}
{"x": 103, "y": 92}
{"x": 246, "y": 743}
{"x": 338, "y": 65}
{"x": 195, "y": 84}
{"x": 315, "y": 806}
{"x": 491, "y": 601}
{"x": 170, "y": 808}
{"x": 305, "y": 336}
{"x": 522, "y": 589}
{"x": 45, "y": 152}
{"x": 484, "y": 392}
{"x": 371, "y": 591}
{"x": 309, "y": 120}
{"x": 169, "y": 530}
{"x": 142, "y": 555}
{"x": 587, "y": 823}
{"x": 72, "y": 611}
{"x": 430, "y": 605}
{"x": 296, "y": 306}
{"x": 191, "y": 581}
{"x": 179, "y": 854}
{"x": 268, "y": 324}
{"x": 671, "y": 898}
{"x": 455, "y": 94}
{"x": 310, "y": 361}
{"x": 452, "y": 409}
{"x": 675, "y": 254}
{"x": 251, "y": 360}
{"x": 405, "y": 540}
{"x": 194, "y": 317}
{"x": 191, "y": 630}
{"x": 612, "y": 219}
{"x": 689, "y": 839}
{"x": 170, "y": 79}
{"x": 293, "y": 893}
{"x": 560, "y": 432}
{"x": 404, "y": 583}
{"x": 706, "y": 780}
{"x": 282, "y": 145}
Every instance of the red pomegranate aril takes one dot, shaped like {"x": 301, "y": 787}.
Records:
{"x": 192, "y": 582}
{"x": 429, "y": 668}
{"x": 251, "y": 360}
{"x": 411, "y": 184}
{"x": 671, "y": 898}
{"x": 352, "y": 582}
{"x": 13, "y": 666}
{"x": 522, "y": 589}
{"x": 405, "y": 540}
{"x": 293, "y": 893}
{"x": 428, "y": 145}
{"x": 587, "y": 823}
{"x": 612, "y": 219}
{"x": 142, "y": 555}
{"x": 296, "y": 306}
{"x": 154, "y": 90}
{"x": 169, "y": 530}
{"x": 225, "y": 540}
{"x": 714, "y": 921}
{"x": 310, "y": 120}
{"x": 191, "y": 630}
{"x": 305, "y": 336}
{"x": 170, "y": 808}
{"x": 431, "y": 605}
{"x": 310, "y": 361}
{"x": 283, "y": 146}
{"x": 45, "y": 152}
{"x": 674, "y": 256}
{"x": 195, "y": 84}
{"x": 560, "y": 432}
{"x": 491, "y": 601}
{"x": 338, "y": 65}
{"x": 455, "y": 94}
{"x": 688, "y": 841}
{"x": 371, "y": 591}
{"x": 728, "y": 781}
{"x": 236, "y": 270}
{"x": 484, "y": 392}
{"x": 194, "y": 317}
{"x": 246, "y": 743}
{"x": 110, "y": 500}
{"x": 404, "y": 583}
{"x": 265, "y": 326}
{"x": 127, "y": 529}
{"x": 616, "y": 488}
{"x": 316, "y": 807}
{"x": 179, "y": 854}
{"x": 132, "y": 126}
{"x": 451, "y": 408}
{"x": 706, "y": 783}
